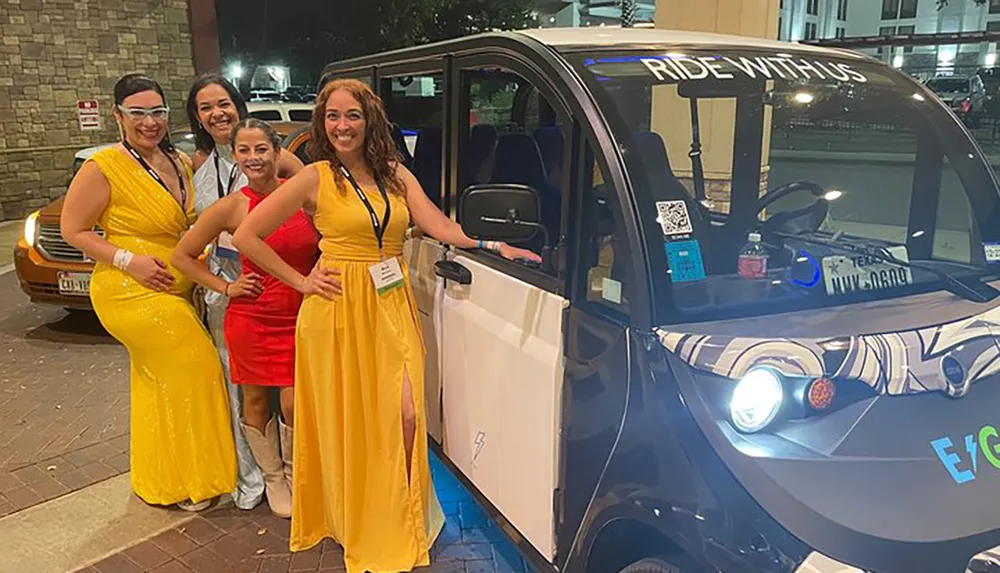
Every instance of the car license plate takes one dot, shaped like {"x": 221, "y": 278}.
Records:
{"x": 852, "y": 273}
{"x": 74, "y": 284}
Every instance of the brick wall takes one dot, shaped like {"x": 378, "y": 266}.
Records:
{"x": 55, "y": 52}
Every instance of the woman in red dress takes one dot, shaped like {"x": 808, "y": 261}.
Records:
{"x": 260, "y": 319}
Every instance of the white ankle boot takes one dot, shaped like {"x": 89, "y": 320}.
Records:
{"x": 265, "y": 450}
{"x": 287, "y": 434}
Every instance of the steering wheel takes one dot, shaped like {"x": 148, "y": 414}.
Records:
{"x": 805, "y": 220}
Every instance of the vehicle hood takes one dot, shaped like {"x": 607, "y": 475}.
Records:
{"x": 900, "y": 354}
{"x": 53, "y": 210}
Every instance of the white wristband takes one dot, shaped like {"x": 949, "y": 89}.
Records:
{"x": 493, "y": 246}
{"x": 122, "y": 259}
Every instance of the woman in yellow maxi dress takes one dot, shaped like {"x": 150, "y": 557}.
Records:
{"x": 182, "y": 448}
{"x": 359, "y": 354}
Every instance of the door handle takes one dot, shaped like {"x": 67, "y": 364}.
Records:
{"x": 452, "y": 271}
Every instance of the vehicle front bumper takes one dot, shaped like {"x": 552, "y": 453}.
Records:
{"x": 39, "y": 277}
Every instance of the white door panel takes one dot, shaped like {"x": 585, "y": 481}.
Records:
{"x": 420, "y": 255}
{"x": 502, "y": 369}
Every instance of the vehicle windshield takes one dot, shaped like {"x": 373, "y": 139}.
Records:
{"x": 948, "y": 85}
{"x": 859, "y": 185}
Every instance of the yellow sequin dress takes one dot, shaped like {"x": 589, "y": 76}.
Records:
{"x": 350, "y": 480}
{"x": 181, "y": 440}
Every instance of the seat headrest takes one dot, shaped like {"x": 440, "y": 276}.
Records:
{"x": 518, "y": 160}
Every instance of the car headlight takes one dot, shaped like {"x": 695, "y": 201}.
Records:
{"x": 756, "y": 400}
{"x": 31, "y": 229}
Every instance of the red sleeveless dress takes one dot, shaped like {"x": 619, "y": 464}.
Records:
{"x": 260, "y": 332}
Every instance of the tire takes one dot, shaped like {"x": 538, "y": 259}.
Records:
{"x": 663, "y": 564}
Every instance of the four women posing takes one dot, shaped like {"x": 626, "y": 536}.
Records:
{"x": 321, "y": 297}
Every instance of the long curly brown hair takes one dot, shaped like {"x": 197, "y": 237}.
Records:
{"x": 381, "y": 153}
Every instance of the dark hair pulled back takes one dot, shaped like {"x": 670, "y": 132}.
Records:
{"x": 131, "y": 84}
{"x": 203, "y": 141}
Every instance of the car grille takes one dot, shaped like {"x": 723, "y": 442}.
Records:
{"x": 53, "y": 247}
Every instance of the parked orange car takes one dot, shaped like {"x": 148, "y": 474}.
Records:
{"x": 53, "y": 272}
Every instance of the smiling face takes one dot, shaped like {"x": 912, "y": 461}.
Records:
{"x": 142, "y": 129}
{"x": 217, "y": 112}
{"x": 345, "y": 124}
{"x": 256, "y": 156}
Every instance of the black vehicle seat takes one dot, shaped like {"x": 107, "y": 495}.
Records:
{"x": 518, "y": 160}
{"x": 478, "y": 164}
{"x": 551, "y": 144}
{"x": 664, "y": 185}
{"x": 400, "y": 140}
{"x": 426, "y": 165}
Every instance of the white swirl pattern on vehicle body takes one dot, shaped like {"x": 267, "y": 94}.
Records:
{"x": 905, "y": 362}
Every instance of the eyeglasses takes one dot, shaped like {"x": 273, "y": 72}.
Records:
{"x": 140, "y": 113}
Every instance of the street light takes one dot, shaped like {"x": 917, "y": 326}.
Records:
{"x": 236, "y": 71}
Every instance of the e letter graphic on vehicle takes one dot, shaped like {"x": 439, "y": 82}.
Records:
{"x": 962, "y": 460}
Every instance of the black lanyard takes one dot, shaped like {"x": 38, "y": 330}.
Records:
{"x": 379, "y": 228}
{"x": 156, "y": 176}
{"x": 223, "y": 191}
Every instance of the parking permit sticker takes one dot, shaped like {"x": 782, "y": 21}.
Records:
{"x": 992, "y": 252}
{"x": 684, "y": 259}
{"x": 611, "y": 290}
{"x": 673, "y": 218}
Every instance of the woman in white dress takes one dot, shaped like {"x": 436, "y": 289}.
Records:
{"x": 214, "y": 107}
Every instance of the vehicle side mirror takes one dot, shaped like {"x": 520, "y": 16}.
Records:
{"x": 501, "y": 212}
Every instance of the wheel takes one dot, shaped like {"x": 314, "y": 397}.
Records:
{"x": 663, "y": 564}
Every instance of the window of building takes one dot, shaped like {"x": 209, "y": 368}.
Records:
{"x": 905, "y": 31}
{"x": 994, "y": 26}
{"x": 885, "y": 31}
{"x": 840, "y": 32}
{"x": 415, "y": 104}
{"x": 810, "y": 30}
{"x": 812, "y": 7}
{"x": 895, "y": 9}
{"x": 890, "y": 9}
{"x": 842, "y": 10}
{"x": 908, "y": 9}
{"x": 994, "y": 6}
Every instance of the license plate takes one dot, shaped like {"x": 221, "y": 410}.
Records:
{"x": 852, "y": 273}
{"x": 74, "y": 284}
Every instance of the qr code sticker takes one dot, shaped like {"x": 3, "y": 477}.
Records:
{"x": 673, "y": 217}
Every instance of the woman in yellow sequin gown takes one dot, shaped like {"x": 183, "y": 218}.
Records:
{"x": 182, "y": 448}
{"x": 361, "y": 467}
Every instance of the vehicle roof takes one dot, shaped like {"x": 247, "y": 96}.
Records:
{"x": 608, "y": 36}
{"x": 571, "y": 39}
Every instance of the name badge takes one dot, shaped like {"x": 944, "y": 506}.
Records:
{"x": 224, "y": 247}
{"x": 386, "y": 275}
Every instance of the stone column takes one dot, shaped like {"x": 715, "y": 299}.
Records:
{"x": 671, "y": 116}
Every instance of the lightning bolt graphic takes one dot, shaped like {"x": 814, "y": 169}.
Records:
{"x": 970, "y": 446}
{"x": 479, "y": 441}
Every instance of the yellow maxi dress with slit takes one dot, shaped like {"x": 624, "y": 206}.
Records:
{"x": 181, "y": 441}
{"x": 350, "y": 480}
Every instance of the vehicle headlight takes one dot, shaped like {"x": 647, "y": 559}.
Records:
{"x": 31, "y": 229}
{"x": 756, "y": 400}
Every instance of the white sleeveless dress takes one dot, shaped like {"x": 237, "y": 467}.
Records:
{"x": 250, "y": 485}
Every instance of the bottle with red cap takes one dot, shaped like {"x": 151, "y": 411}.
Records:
{"x": 753, "y": 258}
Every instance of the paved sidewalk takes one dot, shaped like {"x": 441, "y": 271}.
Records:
{"x": 63, "y": 401}
{"x": 229, "y": 540}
